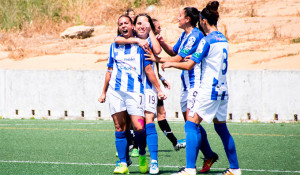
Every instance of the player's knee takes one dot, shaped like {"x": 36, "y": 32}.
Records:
{"x": 118, "y": 128}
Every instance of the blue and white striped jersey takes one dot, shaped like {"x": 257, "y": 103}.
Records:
{"x": 187, "y": 45}
{"x": 147, "y": 82}
{"x": 212, "y": 52}
{"x": 128, "y": 62}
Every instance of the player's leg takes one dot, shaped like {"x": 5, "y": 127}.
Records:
{"x": 152, "y": 141}
{"x": 121, "y": 142}
{"x": 164, "y": 126}
{"x": 193, "y": 141}
{"x": 227, "y": 139}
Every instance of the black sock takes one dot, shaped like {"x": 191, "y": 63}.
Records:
{"x": 164, "y": 126}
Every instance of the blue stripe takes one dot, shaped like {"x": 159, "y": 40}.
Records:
{"x": 118, "y": 80}
{"x": 130, "y": 84}
{"x": 192, "y": 78}
{"x": 148, "y": 83}
{"x": 183, "y": 81}
{"x": 223, "y": 95}
{"x": 127, "y": 49}
{"x": 141, "y": 84}
{"x": 214, "y": 93}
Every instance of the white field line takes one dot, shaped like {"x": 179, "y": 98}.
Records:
{"x": 108, "y": 121}
{"x": 104, "y": 164}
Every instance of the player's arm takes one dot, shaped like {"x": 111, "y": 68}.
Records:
{"x": 167, "y": 48}
{"x": 162, "y": 79}
{"x": 152, "y": 57}
{"x": 132, "y": 40}
{"x": 105, "y": 86}
{"x": 151, "y": 76}
{"x": 155, "y": 44}
{"x": 187, "y": 65}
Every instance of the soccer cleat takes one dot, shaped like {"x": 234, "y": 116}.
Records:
{"x": 129, "y": 162}
{"x": 121, "y": 169}
{"x": 231, "y": 171}
{"x": 134, "y": 152}
{"x": 143, "y": 164}
{"x": 117, "y": 154}
{"x": 185, "y": 171}
{"x": 180, "y": 144}
{"x": 154, "y": 167}
{"x": 209, "y": 162}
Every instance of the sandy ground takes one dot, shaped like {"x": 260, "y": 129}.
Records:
{"x": 260, "y": 36}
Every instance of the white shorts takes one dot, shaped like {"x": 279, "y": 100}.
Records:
{"x": 209, "y": 109}
{"x": 131, "y": 102}
{"x": 150, "y": 100}
{"x": 187, "y": 99}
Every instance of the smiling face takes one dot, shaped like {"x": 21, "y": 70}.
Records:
{"x": 125, "y": 27}
{"x": 142, "y": 27}
{"x": 181, "y": 19}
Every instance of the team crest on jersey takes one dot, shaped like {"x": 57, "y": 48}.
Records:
{"x": 189, "y": 45}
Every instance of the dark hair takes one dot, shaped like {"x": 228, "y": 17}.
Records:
{"x": 149, "y": 20}
{"x": 119, "y": 33}
{"x": 210, "y": 12}
{"x": 194, "y": 15}
{"x": 128, "y": 10}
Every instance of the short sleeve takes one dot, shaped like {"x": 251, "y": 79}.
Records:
{"x": 201, "y": 52}
{"x": 191, "y": 44}
{"x": 111, "y": 56}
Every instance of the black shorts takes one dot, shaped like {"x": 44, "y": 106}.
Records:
{"x": 160, "y": 102}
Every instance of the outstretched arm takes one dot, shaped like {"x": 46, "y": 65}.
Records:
{"x": 187, "y": 65}
{"x": 105, "y": 86}
{"x": 152, "y": 57}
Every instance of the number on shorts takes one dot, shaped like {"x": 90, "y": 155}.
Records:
{"x": 151, "y": 99}
{"x": 195, "y": 93}
{"x": 141, "y": 100}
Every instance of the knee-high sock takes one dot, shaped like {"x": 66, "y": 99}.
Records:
{"x": 204, "y": 147}
{"x": 140, "y": 138}
{"x": 129, "y": 139}
{"x": 193, "y": 139}
{"x": 121, "y": 145}
{"x": 164, "y": 126}
{"x": 152, "y": 140}
{"x": 228, "y": 143}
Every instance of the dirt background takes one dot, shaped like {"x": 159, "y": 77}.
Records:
{"x": 262, "y": 35}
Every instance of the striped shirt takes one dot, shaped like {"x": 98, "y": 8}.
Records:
{"x": 187, "y": 45}
{"x": 128, "y": 63}
{"x": 212, "y": 52}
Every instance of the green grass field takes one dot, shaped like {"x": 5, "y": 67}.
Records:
{"x": 87, "y": 147}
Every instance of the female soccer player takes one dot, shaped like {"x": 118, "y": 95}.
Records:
{"x": 130, "y": 13}
{"x": 186, "y": 45}
{"x": 188, "y": 19}
{"x": 161, "y": 112}
{"x": 127, "y": 68}
{"x": 212, "y": 99}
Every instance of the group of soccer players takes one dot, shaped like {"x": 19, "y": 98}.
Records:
{"x": 134, "y": 91}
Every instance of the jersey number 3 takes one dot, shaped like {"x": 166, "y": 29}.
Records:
{"x": 225, "y": 61}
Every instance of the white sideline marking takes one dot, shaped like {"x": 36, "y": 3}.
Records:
{"x": 103, "y": 164}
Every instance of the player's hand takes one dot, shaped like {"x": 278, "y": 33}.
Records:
{"x": 159, "y": 38}
{"x": 166, "y": 65}
{"x": 150, "y": 56}
{"x": 102, "y": 98}
{"x": 161, "y": 95}
{"x": 166, "y": 84}
{"x": 143, "y": 44}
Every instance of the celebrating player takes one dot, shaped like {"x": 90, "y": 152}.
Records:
{"x": 212, "y": 99}
{"x": 123, "y": 81}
